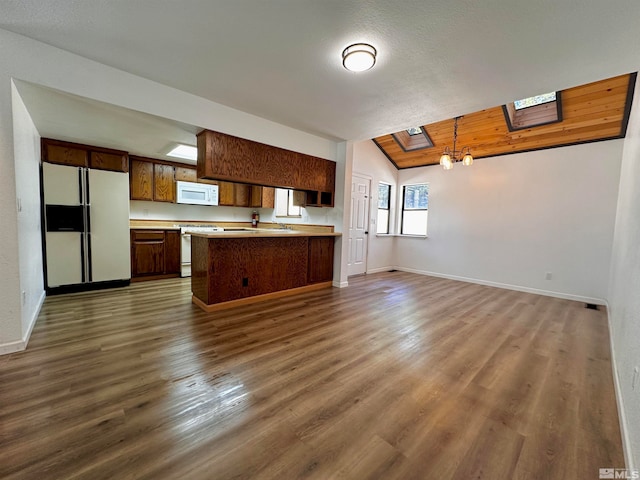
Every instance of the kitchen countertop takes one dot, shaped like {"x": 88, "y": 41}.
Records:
{"x": 263, "y": 233}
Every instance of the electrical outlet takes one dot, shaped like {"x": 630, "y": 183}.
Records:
{"x": 24, "y": 298}
{"x": 634, "y": 382}
{"x": 19, "y": 202}
{"x": 548, "y": 276}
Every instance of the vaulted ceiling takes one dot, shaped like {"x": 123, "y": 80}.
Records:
{"x": 592, "y": 112}
{"x": 281, "y": 59}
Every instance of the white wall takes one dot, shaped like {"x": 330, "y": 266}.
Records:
{"x": 32, "y": 61}
{"x": 508, "y": 220}
{"x": 370, "y": 161}
{"x": 624, "y": 288}
{"x": 27, "y": 161}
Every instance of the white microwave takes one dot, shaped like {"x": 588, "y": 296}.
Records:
{"x": 196, "y": 193}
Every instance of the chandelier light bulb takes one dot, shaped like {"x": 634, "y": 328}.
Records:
{"x": 467, "y": 160}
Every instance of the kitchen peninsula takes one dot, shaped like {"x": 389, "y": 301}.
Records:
{"x": 248, "y": 265}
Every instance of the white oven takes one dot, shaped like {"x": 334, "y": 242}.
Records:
{"x": 196, "y": 193}
{"x": 185, "y": 245}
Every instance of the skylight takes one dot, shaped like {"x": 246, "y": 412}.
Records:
{"x": 533, "y": 101}
{"x": 414, "y": 131}
{"x": 186, "y": 152}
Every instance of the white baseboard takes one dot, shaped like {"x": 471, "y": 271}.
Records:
{"x": 380, "y": 269}
{"x": 519, "y": 288}
{"x": 622, "y": 417}
{"x": 340, "y": 284}
{"x": 19, "y": 345}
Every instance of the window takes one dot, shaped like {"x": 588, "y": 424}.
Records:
{"x": 414, "y": 138}
{"x": 285, "y": 204}
{"x": 384, "y": 199}
{"x": 533, "y": 101}
{"x": 415, "y": 204}
{"x": 414, "y": 131}
{"x": 533, "y": 111}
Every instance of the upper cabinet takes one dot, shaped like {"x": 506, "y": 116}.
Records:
{"x": 234, "y": 159}
{"x": 155, "y": 180}
{"x": 150, "y": 180}
{"x": 78, "y": 155}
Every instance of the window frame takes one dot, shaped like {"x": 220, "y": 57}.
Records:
{"x": 403, "y": 209}
{"x": 388, "y": 210}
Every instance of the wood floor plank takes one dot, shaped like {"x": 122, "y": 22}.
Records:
{"x": 398, "y": 376}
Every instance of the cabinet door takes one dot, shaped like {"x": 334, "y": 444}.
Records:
{"x": 141, "y": 180}
{"x": 172, "y": 251}
{"x": 65, "y": 155}
{"x": 256, "y": 196}
{"x": 164, "y": 184}
{"x": 108, "y": 161}
{"x": 268, "y": 197}
{"x": 147, "y": 252}
{"x": 320, "y": 259}
{"x": 226, "y": 194}
{"x": 242, "y": 195}
{"x": 186, "y": 174}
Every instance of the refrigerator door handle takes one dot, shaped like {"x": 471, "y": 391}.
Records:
{"x": 80, "y": 187}
{"x": 83, "y": 259}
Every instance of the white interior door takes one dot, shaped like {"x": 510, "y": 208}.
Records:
{"x": 109, "y": 214}
{"x": 359, "y": 224}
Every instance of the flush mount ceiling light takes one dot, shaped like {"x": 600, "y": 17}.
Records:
{"x": 449, "y": 157}
{"x": 359, "y": 57}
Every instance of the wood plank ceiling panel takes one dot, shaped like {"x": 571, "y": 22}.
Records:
{"x": 592, "y": 112}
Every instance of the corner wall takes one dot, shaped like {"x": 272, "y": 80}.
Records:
{"x": 27, "y": 167}
{"x": 624, "y": 289}
{"x": 507, "y": 221}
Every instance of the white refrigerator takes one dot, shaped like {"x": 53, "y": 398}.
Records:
{"x": 86, "y": 216}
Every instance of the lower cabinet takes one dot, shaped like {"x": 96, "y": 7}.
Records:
{"x": 320, "y": 259}
{"x": 155, "y": 254}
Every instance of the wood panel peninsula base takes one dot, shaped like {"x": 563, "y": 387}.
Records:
{"x": 237, "y": 268}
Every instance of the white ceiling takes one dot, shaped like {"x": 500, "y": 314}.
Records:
{"x": 280, "y": 59}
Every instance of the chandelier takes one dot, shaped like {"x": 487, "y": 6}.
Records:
{"x": 449, "y": 157}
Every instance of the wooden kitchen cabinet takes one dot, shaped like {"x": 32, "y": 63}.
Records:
{"x": 65, "y": 154}
{"x": 320, "y": 259}
{"x": 147, "y": 252}
{"x": 164, "y": 183}
{"x": 109, "y": 161}
{"x": 186, "y": 174}
{"x": 241, "y": 195}
{"x": 233, "y": 159}
{"x": 79, "y": 155}
{"x": 172, "y": 251}
{"x": 155, "y": 254}
{"x": 262, "y": 197}
{"x": 226, "y": 194}
{"x": 141, "y": 180}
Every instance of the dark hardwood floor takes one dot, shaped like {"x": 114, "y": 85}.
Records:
{"x": 399, "y": 376}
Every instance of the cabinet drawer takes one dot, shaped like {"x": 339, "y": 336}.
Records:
{"x": 147, "y": 235}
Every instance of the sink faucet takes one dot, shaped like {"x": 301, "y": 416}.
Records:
{"x": 284, "y": 226}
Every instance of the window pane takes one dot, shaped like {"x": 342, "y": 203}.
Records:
{"x": 281, "y": 202}
{"x": 416, "y": 196}
{"x": 383, "y": 195}
{"x": 414, "y": 222}
{"x": 383, "y": 221}
{"x": 294, "y": 210}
